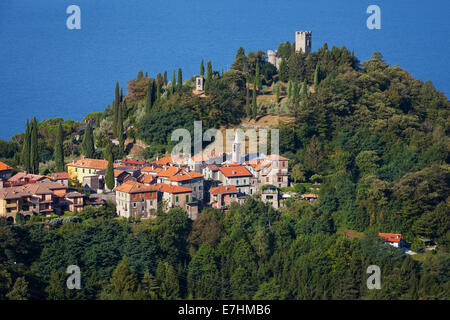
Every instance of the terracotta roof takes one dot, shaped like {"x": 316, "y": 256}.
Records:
{"x": 131, "y": 186}
{"x": 60, "y": 176}
{"x": 26, "y": 176}
{"x": 151, "y": 169}
{"x": 276, "y": 157}
{"x": 167, "y": 171}
{"x": 146, "y": 178}
{"x": 30, "y": 189}
{"x": 223, "y": 190}
{"x": 132, "y": 162}
{"x": 391, "y": 237}
{"x": 4, "y": 166}
{"x": 119, "y": 172}
{"x": 164, "y": 161}
{"x": 235, "y": 171}
{"x": 170, "y": 188}
{"x": 98, "y": 164}
{"x": 73, "y": 195}
{"x": 183, "y": 175}
{"x": 310, "y": 195}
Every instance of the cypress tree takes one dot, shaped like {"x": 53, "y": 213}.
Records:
{"x": 173, "y": 83}
{"x": 290, "y": 90}
{"x": 158, "y": 91}
{"x": 149, "y": 96}
{"x": 304, "y": 91}
{"x": 34, "y": 155}
{"x": 277, "y": 93}
{"x": 247, "y": 102}
{"x": 88, "y": 142}
{"x": 316, "y": 77}
{"x": 254, "y": 104}
{"x": 116, "y": 109}
{"x": 121, "y": 136}
{"x": 26, "y": 149}
{"x": 257, "y": 76}
{"x": 180, "y": 80}
{"x": 59, "y": 149}
{"x": 165, "y": 78}
{"x": 208, "y": 76}
{"x": 202, "y": 68}
{"x": 109, "y": 176}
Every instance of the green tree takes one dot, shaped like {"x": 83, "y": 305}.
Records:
{"x": 180, "y": 80}
{"x": 34, "y": 153}
{"x": 88, "y": 142}
{"x": 254, "y": 104}
{"x": 172, "y": 88}
{"x": 109, "y": 175}
{"x": 240, "y": 62}
{"x": 123, "y": 284}
{"x": 202, "y": 68}
{"x": 19, "y": 291}
{"x": 26, "y": 148}
{"x": 59, "y": 149}
{"x": 316, "y": 77}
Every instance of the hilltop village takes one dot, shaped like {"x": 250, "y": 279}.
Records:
{"x": 140, "y": 186}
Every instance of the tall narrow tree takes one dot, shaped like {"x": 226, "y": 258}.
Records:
{"x": 116, "y": 109}
{"x": 247, "y": 102}
{"x": 254, "y": 103}
{"x": 202, "y": 68}
{"x": 34, "y": 154}
{"x": 26, "y": 149}
{"x": 88, "y": 142}
{"x": 149, "y": 96}
{"x": 316, "y": 77}
{"x": 173, "y": 83}
{"x": 59, "y": 149}
{"x": 209, "y": 72}
{"x": 165, "y": 78}
{"x": 109, "y": 175}
{"x": 180, "y": 80}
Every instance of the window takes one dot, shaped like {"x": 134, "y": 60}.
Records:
{"x": 187, "y": 198}
{"x": 89, "y": 170}
{"x": 76, "y": 169}
{"x": 237, "y": 182}
{"x": 245, "y": 181}
{"x": 176, "y": 199}
{"x": 83, "y": 170}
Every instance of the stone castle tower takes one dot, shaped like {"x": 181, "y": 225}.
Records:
{"x": 303, "y": 41}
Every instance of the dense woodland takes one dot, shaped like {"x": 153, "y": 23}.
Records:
{"x": 375, "y": 138}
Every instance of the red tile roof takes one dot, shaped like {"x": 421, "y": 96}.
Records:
{"x": 223, "y": 190}
{"x": 171, "y": 189}
{"x": 60, "y": 176}
{"x": 20, "y": 176}
{"x": 391, "y": 237}
{"x": 131, "y": 186}
{"x": 97, "y": 164}
{"x": 183, "y": 175}
{"x": 235, "y": 171}
{"x": 4, "y": 166}
{"x": 163, "y": 161}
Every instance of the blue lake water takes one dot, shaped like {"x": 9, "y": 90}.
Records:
{"x": 50, "y": 71}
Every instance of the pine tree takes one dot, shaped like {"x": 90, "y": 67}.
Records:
{"x": 34, "y": 155}
{"x": 240, "y": 62}
{"x": 123, "y": 284}
{"x": 59, "y": 149}
{"x": 180, "y": 81}
{"x": 109, "y": 175}
{"x": 202, "y": 68}
{"x": 26, "y": 149}
{"x": 88, "y": 142}
{"x": 19, "y": 291}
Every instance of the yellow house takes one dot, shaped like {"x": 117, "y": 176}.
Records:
{"x": 83, "y": 168}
